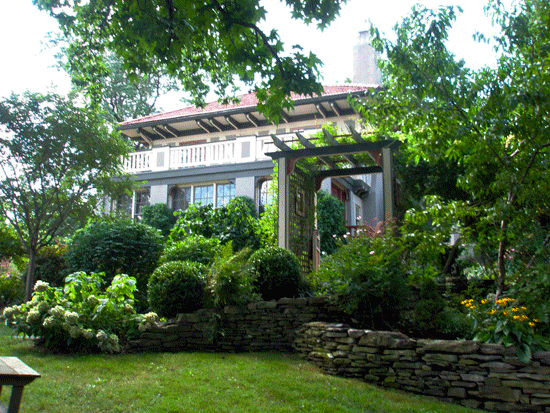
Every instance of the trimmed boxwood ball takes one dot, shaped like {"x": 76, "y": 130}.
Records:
{"x": 177, "y": 287}
{"x": 276, "y": 273}
{"x": 196, "y": 248}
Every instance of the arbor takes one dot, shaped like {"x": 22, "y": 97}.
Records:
{"x": 56, "y": 159}
{"x": 201, "y": 43}
{"x": 493, "y": 122}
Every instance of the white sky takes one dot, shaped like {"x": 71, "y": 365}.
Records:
{"x": 27, "y": 63}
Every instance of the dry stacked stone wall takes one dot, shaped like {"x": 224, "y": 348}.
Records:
{"x": 470, "y": 373}
{"x": 261, "y": 326}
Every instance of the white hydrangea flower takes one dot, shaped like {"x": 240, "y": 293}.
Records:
{"x": 33, "y": 316}
{"x": 43, "y": 307}
{"x": 151, "y": 317}
{"x": 58, "y": 311}
{"x": 41, "y": 286}
{"x": 48, "y": 322}
{"x": 71, "y": 317}
{"x": 88, "y": 333}
{"x": 101, "y": 335}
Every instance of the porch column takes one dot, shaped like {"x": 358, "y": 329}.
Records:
{"x": 283, "y": 218}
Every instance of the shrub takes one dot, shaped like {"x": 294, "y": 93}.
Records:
{"x": 51, "y": 265}
{"x": 276, "y": 273}
{"x": 429, "y": 315}
{"x": 177, "y": 287}
{"x": 330, "y": 221}
{"x": 196, "y": 248}
{"x": 158, "y": 216}
{"x": 367, "y": 279}
{"x": 11, "y": 284}
{"x": 232, "y": 222}
{"x": 116, "y": 247}
{"x": 229, "y": 281}
{"x": 81, "y": 316}
{"x": 506, "y": 322}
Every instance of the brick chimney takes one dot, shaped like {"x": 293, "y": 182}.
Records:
{"x": 365, "y": 58}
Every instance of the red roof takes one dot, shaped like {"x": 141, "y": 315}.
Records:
{"x": 248, "y": 100}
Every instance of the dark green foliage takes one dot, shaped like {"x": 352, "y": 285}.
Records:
{"x": 220, "y": 45}
{"x": 368, "y": 279}
{"x": 116, "y": 247}
{"x": 247, "y": 202}
{"x": 158, "y": 216}
{"x": 51, "y": 265}
{"x": 10, "y": 246}
{"x": 330, "y": 221}
{"x": 229, "y": 281}
{"x": 195, "y": 248}
{"x": 11, "y": 284}
{"x": 276, "y": 273}
{"x": 177, "y": 287}
{"x": 428, "y": 313}
{"x": 67, "y": 151}
{"x": 232, "y": 222}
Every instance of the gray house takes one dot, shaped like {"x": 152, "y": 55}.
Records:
{"x": 215, "y": 153}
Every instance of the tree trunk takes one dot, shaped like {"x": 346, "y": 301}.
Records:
{"x": 501, "y": 264}
{"x": 29, "y": 285}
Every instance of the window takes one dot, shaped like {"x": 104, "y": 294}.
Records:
{"x": 123, "y": 205}
{"x": 224, "y": 194}
{"x": 203, "y": 194}
{"x": 141, "y": 199}
{"x": 180, "y": 198}
{"x": 266, "y": 197}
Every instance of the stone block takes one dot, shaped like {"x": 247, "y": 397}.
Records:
{"x": 450, "y": 346}
{"x": 387, "y": 339}
{"x": 440, "y": 359}
{"x": 500, "y": 393}
{"x": 457, "y": 392}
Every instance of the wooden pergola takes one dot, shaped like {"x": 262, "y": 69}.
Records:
{"x": 337, "y": 159}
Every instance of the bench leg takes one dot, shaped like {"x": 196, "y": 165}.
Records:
{"x": 15, "y": 399}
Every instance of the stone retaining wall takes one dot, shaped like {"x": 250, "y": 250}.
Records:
{"x": 262, "y": 326}
{"x": 473, "y": 374}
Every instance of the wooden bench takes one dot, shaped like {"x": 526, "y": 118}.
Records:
{"x": 15, "y": 373}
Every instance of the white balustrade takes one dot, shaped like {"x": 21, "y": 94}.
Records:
{"x": 248, "y": 149}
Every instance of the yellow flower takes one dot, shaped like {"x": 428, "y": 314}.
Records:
{"x": 484, "y": 301}
{"x": 492, "y": 312}
{"x": 535, "y": 320}
{"x": 505, "y": 312}
{"x": 531, "y": 324}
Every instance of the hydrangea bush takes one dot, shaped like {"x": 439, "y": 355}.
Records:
{"x": 81, "y": 316}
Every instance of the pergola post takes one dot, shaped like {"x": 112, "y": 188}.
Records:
{"x": 284, "y": 209}
{"x": 387, "y": 174}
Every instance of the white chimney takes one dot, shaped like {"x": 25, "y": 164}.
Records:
{"x": 365, "y": 62}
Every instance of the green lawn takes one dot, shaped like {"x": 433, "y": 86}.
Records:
{"x": 197, "y": 382}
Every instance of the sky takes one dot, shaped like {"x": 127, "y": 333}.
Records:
{"x": 27, "y": 63}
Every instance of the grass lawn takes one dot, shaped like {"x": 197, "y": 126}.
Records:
{"x": 197, "y": 382}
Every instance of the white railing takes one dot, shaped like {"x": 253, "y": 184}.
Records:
{"x": 247, "y": 149}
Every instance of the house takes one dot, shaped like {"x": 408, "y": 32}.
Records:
{"x": 215, "y": 153}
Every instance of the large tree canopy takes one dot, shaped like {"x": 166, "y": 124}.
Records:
{"x": 493, "y": 122}
{"x": 200, "y": 42}
{"x": 56, "y": 159}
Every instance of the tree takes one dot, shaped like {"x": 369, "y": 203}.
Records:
{"x": 120, "y": 98}
{"x": 203, "y": 43}
{"x": 493, "y": 122}
{"x": 56, "y": 159}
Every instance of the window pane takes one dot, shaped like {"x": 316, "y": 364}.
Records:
{"x": 204, "y": 194}
{"x": 266, "y": 197}
{"x": 224, "y": 194}
{"x": 142, "y": 198}
{"x": 181, "y": 198}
